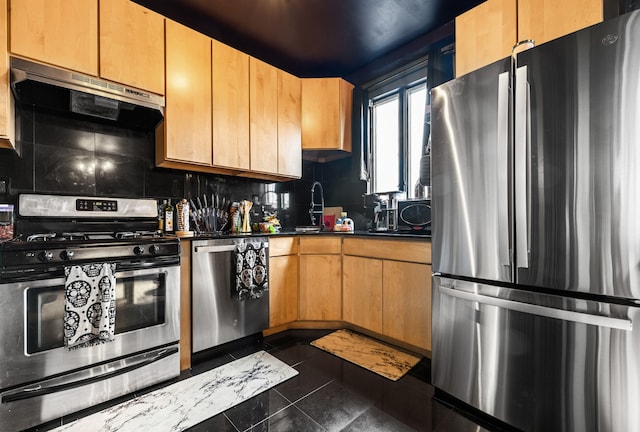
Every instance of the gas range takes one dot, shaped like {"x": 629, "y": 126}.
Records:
{"x": 53, "y": 230}
{"x": 54, "y": 235}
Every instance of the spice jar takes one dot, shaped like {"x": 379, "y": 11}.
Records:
{"x": 6, "y": 221}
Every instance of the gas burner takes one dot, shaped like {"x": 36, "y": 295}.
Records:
{"x": 135, "y": 234}
{"x": 126, "y": 235}
{"x": 41, "y": 237}
{"x": 73, "y": 236}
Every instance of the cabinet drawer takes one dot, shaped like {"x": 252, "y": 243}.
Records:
{"x": 320, "y": 245}
{"x": 415, "y": 250}
{"x": 283, "y": 246}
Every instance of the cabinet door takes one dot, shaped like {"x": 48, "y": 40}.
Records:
{"x": 6, "y": 104}
{"x": 406, "y": 299}
{"x": 544, "y": 20}
{"x": 485, "y": 34}
{"x": 326, "y": 114}
{"x": 362, "y": 292}
{"x": 320, "y": 287}
{"x": 59, "y": 32}
{"x": 132, "y": 45}
{"x": 263, "y": 96}
{"x": 230, "y": 110}
{"x": 289, "y": 125}
{"x": 188, "y": 95}
{"x": 283, "y": 289}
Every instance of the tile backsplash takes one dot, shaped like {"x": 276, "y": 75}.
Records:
{"x": 68, "y": 154}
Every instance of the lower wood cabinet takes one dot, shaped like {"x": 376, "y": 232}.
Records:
{"x": 320, "y": 278}
{"x": 406, "y": 299}
{"x": 362, "y": 292}
{"x": 379, "y": 285}
{"x": 283, "y": 280}
{"x": 387, "y": 288}
{"x": 283, "y": 290}
{"x": 320, "y": 287}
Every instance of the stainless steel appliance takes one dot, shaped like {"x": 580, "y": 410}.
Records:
{"x": 43, "y": 379}
{"x": 67, "y": 91}
{"x": 218, "y": 316}
{"x": 536, "y": 245}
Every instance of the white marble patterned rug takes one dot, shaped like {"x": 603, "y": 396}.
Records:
{"x": 192, "y": 400}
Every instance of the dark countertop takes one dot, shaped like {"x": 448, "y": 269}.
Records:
{"x": 284, "y": 233}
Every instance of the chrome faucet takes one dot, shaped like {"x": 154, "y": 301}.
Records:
{"x": 313, "y": 209}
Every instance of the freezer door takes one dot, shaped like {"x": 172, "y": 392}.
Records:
{"x": 535, "y": 361}
{"x": 577, "y": 182}
{"x": 470, "y": 175}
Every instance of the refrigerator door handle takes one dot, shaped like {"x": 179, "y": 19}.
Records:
{"x": 545, "y": 311}
{"x": 503, "y": 168}
{"x": 522, "y": 167}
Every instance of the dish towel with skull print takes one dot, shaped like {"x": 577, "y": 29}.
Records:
{"x": 90, "y": 304}
{"x": 251, "y": 270}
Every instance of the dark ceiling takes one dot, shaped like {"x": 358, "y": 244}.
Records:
{"x": 314, "y": 38}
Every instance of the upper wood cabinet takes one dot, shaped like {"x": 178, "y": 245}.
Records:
{"x": 289, "y": 125}
{"x": 275, "y": 121}
{"x": 132, "y": 45}
{"x": 326, "y": 118}
{"x": 230, "y": 110}
{"x": 263, "y": 96}
{"x": 187, "y": 126}
{"x": 489, "y": 31}
{"x": 6, "y": 104}
{"x": 485, "y": 34}
{"x": 545, "y": 20}
{"x": 59, "y": 32}
{"x": 123, "y": 38}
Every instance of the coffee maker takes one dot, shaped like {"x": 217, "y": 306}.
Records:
{"x": 381, "y": 210}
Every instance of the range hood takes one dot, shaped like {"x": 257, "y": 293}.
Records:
{"x": 83, "y": 95}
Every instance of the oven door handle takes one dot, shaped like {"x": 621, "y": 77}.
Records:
{"x": 36, "y": 390}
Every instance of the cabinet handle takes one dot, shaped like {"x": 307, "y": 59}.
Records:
{"x": 215, "y": 249}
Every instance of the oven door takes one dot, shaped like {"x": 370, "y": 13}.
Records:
{"x": 32, "y": 342}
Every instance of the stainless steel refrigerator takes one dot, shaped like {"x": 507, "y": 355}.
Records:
{"x": 536, "y": 234}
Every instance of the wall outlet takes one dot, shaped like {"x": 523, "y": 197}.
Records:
{"x": 4, "y": 185}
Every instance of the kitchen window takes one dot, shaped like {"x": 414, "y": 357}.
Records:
{"x": 396, "y": 141}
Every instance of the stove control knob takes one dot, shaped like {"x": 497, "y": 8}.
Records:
{"x": 45, "y": 256}
{"x": 154, "y": 249}
{"x": 138, "y": 250}
{"x": 67, "y": 254}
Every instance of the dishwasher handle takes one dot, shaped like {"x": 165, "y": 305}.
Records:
{"x": 215, "y": 249}
{"x": 545, "y": 311}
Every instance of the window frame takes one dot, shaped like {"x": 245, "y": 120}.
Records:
{"x": 402, "y": 84}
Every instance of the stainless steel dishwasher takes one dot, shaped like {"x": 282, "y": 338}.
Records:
{"x": 218, "y": 316}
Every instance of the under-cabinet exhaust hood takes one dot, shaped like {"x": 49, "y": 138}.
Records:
{"x": 71, "y": 92}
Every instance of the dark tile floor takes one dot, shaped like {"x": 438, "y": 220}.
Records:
{"x": 328, "y": 394}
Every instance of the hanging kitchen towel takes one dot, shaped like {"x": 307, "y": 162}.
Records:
{"x": 251, "y": 270}
{"x": 90, "y": 304}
